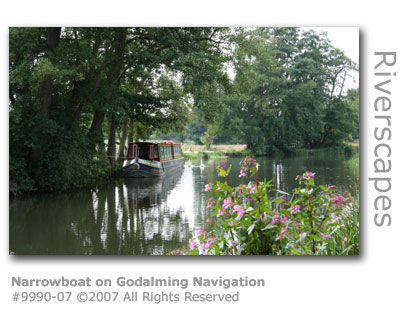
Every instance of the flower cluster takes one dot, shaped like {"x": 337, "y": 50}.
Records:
{"x": 247, "y": 220}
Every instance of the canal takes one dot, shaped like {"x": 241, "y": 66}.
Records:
{"x": 148, "y": 216}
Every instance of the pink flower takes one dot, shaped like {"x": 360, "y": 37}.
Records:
{"x": 218, "y": 189}
{"x": 242, "y": 174}
{"x": 252, "y": 189}
{"x": 209, "y": 206}
{"x": 221, "y": 213}
{"x": 276, "y": 218}
{"x": 295, "y": 209}
{"x": 283, "y": 230}
{"x": 332, "y": 187}
{"x": 192, "y": 245}
{"x": 208, "y": 244}
{"x": 239, "y": 210}
{"x": 227, "y": 203}
{"x": 311, "y": 175}
{"x": 340, "y": 199}
{"x": 207, "y": 187}
{"x": 278, "y": 238}
{"x": 284, "y": 219}
{"x": 327, "y": 236}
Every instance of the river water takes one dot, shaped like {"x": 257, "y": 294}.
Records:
{"x": 147, "y": 216}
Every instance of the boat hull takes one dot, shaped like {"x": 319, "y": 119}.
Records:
{"x": 141, "y": 168}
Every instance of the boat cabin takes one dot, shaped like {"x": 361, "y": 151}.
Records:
{"x": 163, "y": 151}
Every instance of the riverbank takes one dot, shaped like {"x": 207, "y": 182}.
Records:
{"x": 240, "y": 150}
{"x": 99, "y": 170}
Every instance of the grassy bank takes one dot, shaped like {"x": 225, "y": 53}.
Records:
{"x": 216, "y": 152}
{"x": 239, "y": 150}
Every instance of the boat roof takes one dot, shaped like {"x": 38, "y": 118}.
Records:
{"x": 166, "y": 142}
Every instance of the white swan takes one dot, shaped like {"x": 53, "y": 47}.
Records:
{"x": 201, "y": 164}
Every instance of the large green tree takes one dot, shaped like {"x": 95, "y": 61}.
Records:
{"x": 288, "y": 91}
{"x": 72, "y": 90}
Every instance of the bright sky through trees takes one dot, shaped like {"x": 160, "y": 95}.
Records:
{"x": 347, "y": 39}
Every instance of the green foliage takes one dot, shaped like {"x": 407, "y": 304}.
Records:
{"x": 207, "y": 140}
{"x": 288, "y": 92}
{"x": 67, "y": 85}
{"x": 315, "y": 220}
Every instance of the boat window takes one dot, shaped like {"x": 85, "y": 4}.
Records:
{"x": 155, "y": 152}
{"x": 177, "y": 151}
{"x": 143, "y": 151}
{"x": 134, "y": 150}
{"x": 162, "y": 152}
{"x": 165, "y": 152}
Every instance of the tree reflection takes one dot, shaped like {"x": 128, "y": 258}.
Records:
{"x": 146, "y": 216}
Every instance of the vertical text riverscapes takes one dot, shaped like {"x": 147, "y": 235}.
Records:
{"x": 384, "y": 73}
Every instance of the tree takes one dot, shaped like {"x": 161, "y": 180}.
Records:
{"x": 72, "y": 89}
{"x": 288, "y": 91}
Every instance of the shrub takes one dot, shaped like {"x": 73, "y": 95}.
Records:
{"x": 248, "y": 221}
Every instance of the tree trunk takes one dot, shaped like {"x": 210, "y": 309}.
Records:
{"x": 91, "y": 95}
{"x": 95, "y": 73}
{"x": 121, "y": 153}
{"x": 115, "y": 61}
{"x": 342, "y": 85}
{"x": 53, "y": 38}
{"x": 96, "y": 128}
{"x": 112, "y": 145}
{"x": 131, "y": 133}
{"x": 250, "y": 146}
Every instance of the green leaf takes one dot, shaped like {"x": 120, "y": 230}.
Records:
{"x": 251, "y": 228}
{"x": 222, "y": 172}
{"x": 218, "y": 232}
{"x": 302, "y": 236}
{"x": 269, "y": 226}
{"x": 313, "y": 236}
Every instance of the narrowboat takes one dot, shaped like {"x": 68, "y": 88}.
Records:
{"x": 147, "y": 159}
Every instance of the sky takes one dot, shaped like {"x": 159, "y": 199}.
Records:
{"x": 346, "y": 39}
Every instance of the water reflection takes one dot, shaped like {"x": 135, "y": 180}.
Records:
{"x": 145, "y": 216}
